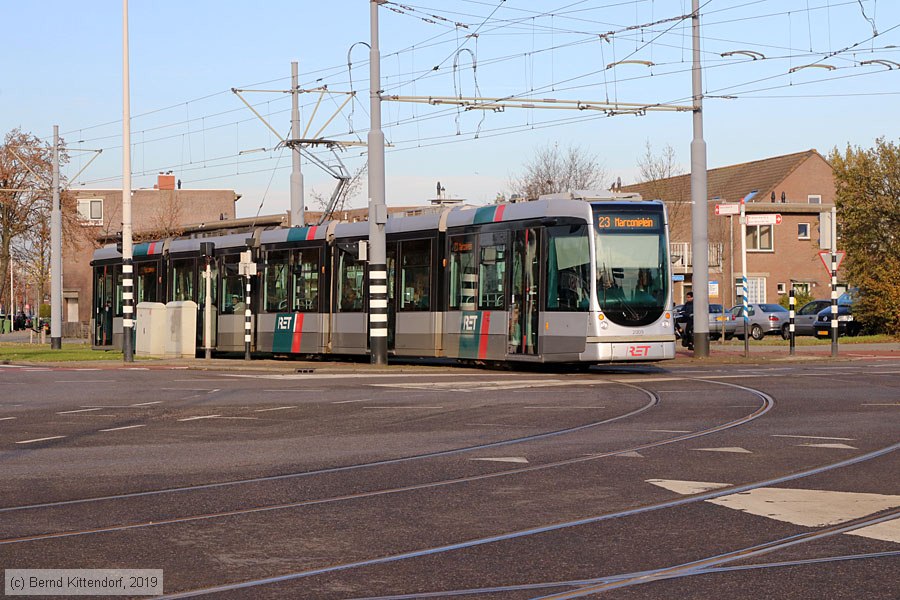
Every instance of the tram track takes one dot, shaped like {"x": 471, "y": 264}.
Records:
{"x": 473, "y": 543}
{"x": 653, "y": 400}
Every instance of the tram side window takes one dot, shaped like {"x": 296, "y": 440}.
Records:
{"x": 119, "y": 278}
{"x": 182, "y": 280}
{"x": 306, "y": 280}
{"x": 491, "y": 271}
{"x": 568, "y": 268}
{"x": 415, "y": 274}
{"x": 234, "y": 287}
{"x": 276, "y": 288}
{"x": 213, "y": 286}
{"x": 351, "y": 279}
{"x": 463, "y": 272}
{"x": 145, "y": 283}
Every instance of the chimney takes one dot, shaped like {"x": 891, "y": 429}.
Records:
{"x": 166, "y": 181}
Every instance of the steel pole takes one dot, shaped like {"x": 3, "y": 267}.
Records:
{"x": 745, "y": 303}
{"x": 298, "y": 210}
{"x": 699, "y": 217}
{"x": 378, "y": 317}
{"x": 791, "y": 301}
{"x": 127, "y": 249}
{"x": 55, "y": 253}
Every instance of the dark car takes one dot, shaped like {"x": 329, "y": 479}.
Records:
{"x": 805, "y": 318}
{"x": 847, "y": 325}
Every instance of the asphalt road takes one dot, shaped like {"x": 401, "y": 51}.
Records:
{"x": 707, "y": 480}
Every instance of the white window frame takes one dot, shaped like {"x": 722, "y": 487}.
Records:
{"x": 800, "y": 234}
{"x": 814, "y": 199}
{"x": 753, "y": 232}
{"x": 756, "y": 289}
{"x": 781, "y": 288}
{"x": 86, "y": 208}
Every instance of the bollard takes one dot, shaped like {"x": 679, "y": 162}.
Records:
{"x": 791, "y": 302}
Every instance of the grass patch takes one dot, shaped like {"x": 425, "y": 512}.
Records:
{"x": 808, "y": 340}
{"x": 43, "y": 353}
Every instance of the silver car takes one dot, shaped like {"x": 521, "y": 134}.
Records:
{"x": 764, "y": 319}
{"x": 805, "y": 318}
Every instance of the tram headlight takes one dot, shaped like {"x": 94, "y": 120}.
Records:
{"x": 666, "y": 324}
{"x": 604, "y": 325}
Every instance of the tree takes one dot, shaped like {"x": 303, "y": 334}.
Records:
{"x": 553, "y": 169}
{"x": 347, "y": 193}
{"x": 868, "y": 205}
{"x": 654, "y": 169}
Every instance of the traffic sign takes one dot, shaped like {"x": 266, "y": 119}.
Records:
{"x": 768, "y": 219}
{"x": 825, "y": 255}
{"x": 732, "y": 208}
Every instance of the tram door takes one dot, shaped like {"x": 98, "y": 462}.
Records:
{"x": 523, "y": 304}
{"x": 103, "y": 306}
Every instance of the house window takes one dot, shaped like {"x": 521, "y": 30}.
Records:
{"x": 91, "y": 209}
{"x": 814, "y": 199}
{"x": 802, "y": 231}
{"x": 756, "y": 289}
{"x": 782, "y": 288}
{"x": 759, "y": 238}
{"x": 801, "y": 288}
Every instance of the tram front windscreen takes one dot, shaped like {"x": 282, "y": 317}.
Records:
{"x": 631, "y": 257}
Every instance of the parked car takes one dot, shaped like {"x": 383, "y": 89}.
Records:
{"x": 805, "y": 318}
{"x": 847, "y": 325}
{"x": 764, "y": 319}
{"x": 717, "y": 316}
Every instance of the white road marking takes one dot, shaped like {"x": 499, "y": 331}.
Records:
{"x": 809, "y": 508}
{"x": 669, "y": 430}
{"x": 349, "y": 401}
{"x": 295, "y": 390}
{"x": 814, "y": 437}
{"x": 146, "y": 369}
{"x": 7, "y": 418}
{"x": 735, "y": 450}
{"x": 392, "y": 407}
{"x": 836, "y": 446}
{"x": 200, "y": 417}
{"x": 559, "y": 407}
{"x": 241, "y": 418}
{"x": 86, "y": 369}
{"x": 85, "y": 381}
{"x": 687, "y": 487}
{"x": 271, "y": 409}
{"x": 631, "y": 454}
{"x": 43, "y": 439}
{"x": 889, "y": 531}
{"x": 81, "y": 410}
{"x": 893, "y": 404}
{"x": 148, "y": 403}
{"x": 125, "y": 427}
{"x": 507, "y": 459}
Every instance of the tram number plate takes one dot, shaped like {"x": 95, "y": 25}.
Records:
{"x": 637, "y": 351}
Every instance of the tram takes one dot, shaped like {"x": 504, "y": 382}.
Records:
{"x": 568, "y": 278}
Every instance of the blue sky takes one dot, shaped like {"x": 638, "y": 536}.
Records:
{"x": 65, "y": 68}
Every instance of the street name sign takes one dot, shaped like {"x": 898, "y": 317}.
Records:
{"x": 767, "y": 219}
{"x": 732, "y": 208}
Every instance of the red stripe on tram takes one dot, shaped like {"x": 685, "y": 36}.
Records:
{"x": 311, "y": 233}
{"x": 152, "y": 248}
{"x": 298, "y": 332}
{"x": 483, "y": 335}
{"x": 498, "y": 214}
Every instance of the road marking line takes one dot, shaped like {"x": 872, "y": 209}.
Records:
{"x": 814, "y": 437}
{"x": 393, "y": 407}
{"x": 125, "y": 427}
{"x": 271, "y": 409}
{"x": 507, "y": 459}
{"x": 200, "y": 417}
{"x": 561, "y": 407}
{"x": 836, "y": 446}
{"x": 69, "y": 412}
{"x": 242, "y": 418}
{"x": 349, "y": 401}
{"x": 687, "y": 488}
{"x": 85, "y": 381}
{"x": 669, "y": 430}
{"x": 893, "y": 404}
{"x": 6, "y": 418}
{"x": 43, "y": 439}
{"x": 299, "y": 391}
{"x": 734, "y": 450}
{"x": 148, "y": 403}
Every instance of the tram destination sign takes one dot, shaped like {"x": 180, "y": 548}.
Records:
{"x": 627, "y": 221}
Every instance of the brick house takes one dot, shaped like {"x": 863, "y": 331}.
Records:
{"x": 798, "y": 186}
{"x": 160, "y": 211}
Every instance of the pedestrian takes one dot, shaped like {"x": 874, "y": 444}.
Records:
{"x": 687, "y": 316}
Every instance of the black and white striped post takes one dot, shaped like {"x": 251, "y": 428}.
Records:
{"x": 791, "y": 302}
{"x": 247, "y": 323}
{"x": 378, "y": 312}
